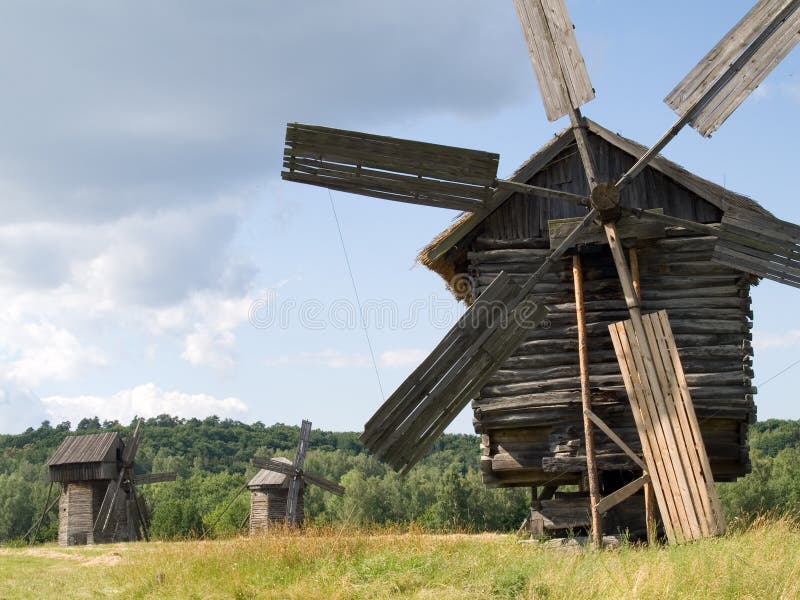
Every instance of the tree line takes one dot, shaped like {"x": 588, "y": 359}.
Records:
{"x": 443, "y": 493}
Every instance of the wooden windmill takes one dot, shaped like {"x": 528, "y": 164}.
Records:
{"x": 505, "y": 313}
{"x": 277, "y": 490}
{"x": 99, "y": 501}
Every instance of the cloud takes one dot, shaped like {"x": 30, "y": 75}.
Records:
{"x": 146, "y": 400}
{"x": 34, "y": 352}
{"x": 335, "y": 359}
{"x": 769, "y": 341}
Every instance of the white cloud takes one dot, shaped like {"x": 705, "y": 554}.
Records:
{"x": 335, "y": 359}
{"x": 33, "y": 352}
{"x": 769, "y": 341}
{"x": 146, "y": 400}
{"x": 402, "y": 357}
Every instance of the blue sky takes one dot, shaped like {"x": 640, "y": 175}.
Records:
{"x": 146, "y": 226}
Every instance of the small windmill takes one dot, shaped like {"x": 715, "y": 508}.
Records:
{"x": 122, "y": 513}
{"x": 410, "y": 420}
{"x": 297, "y": 478}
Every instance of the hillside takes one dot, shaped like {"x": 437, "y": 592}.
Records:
{"x": 444, "y": 492}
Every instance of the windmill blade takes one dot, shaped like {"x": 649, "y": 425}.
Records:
{"x": 132, "y": 445}
{"x": 557, "y": 62}
{"x": 405, "y": 427}
{"x": 747, "y": 54}
{"x": 389, "y": 168}
{"x": 273, "y": 465}
{"x": 302, "y": 445}
{"x": 140, "y": 527}
{"x": 109, "y": 504}
{"x": 148, "y": 478}
{"x": 759, "y": 244}
{"x": 748, "y": 241}
{"x": 325, "y": 484}
{"x": 296, "y": 482}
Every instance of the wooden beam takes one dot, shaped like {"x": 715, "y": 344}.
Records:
{"x": 621, "y": 494}
{"x": 615, "y": 438}
{"x": 586, "y": 402}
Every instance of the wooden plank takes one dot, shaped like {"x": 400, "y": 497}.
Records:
{"x": 667, "y": 381}
{"x": 647, "y": 435}
{"x": 627, "y": 228}
{"x": 689, "y": 502}
{"x": 760, "y": 20}
{"x": 423, "y": 159}
{"x": 557, "y": 62}
{"x": 622, "y": 494}
{"x": 686, "y": 405}
{"x": 615, "y": 438}
{"x": 148, "y": 478}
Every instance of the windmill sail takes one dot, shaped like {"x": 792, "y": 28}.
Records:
{"x": 557, "y": 61}
{"x": 296, "y": 482}
{"x": 389, "y": 168}
{"x": 764, "y": 36}
{"x": 759, "y": 244}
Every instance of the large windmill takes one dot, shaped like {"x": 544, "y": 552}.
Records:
{"x": 99, "y": 501}
{"x": 281, "y": 498}
{"x": 507, "y": 311}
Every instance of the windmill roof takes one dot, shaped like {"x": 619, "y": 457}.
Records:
{"x": 266, "y": 478}
{"x": 433, "y": 255}
{"x": 88, "y": 448}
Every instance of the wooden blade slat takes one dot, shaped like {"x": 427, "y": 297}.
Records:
{"x": 108, "y": 505}
{"x": 302, "y": 445}
{"x": 295, "y": 487}
{"x": 760, "y": 244}
{"x": 273, "y": 465}
{"x": 670, "y": 434}
{"x": 325, "y": 484}
{"x": 781, "y": 38}
{"x": 325, "y": 168}
{"x": 436, "y": 161}
{"x": 557, "y": 61}
{"x": 391, "y": 168}
{"x": 148, "y": 478}
{"x": 132, "y": 445}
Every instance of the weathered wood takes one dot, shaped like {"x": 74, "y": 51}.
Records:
{"x": 778, "y": 22}
{"x": 614, "y": 437}
{"x": 622, "y": 494}
{"x": 389, "y": 168}
{"x": 557, "y": 61}
{"x": 664, "y": 406}
{"x": 627, "y": 228}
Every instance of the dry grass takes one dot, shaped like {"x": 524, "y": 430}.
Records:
{"x": 760, "y": 562}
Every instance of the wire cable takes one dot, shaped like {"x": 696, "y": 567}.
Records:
{"x": 358, "y": 300}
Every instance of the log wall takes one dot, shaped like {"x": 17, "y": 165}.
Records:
{"x": 75, "y": 515}
{"x": 268, "y": 507}
{"x": 529, "y": 413}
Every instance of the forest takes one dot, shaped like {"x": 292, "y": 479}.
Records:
{"x": 443, "y": 493}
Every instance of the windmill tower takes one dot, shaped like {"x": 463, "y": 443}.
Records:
{"x": 648, "y": 351}
{"x": 277, "y": 490}
{"x": 99, "y": 501}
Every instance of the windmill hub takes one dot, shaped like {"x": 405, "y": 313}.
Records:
{"x": 605, "y": 199}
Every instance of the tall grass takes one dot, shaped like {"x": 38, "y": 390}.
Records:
{"x": 761, "y": 560}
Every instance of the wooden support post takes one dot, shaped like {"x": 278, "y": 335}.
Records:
{"x": 586, "y": 402}
{"x": 649, "y": 513}
{"x": 633, "y": 255}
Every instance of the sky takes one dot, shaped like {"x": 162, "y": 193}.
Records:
{"x": 152, "y": 260}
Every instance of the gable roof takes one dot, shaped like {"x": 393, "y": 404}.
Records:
{"x": 266, "y": 478}
{"x": 89, "y": 448}
{"x": 433, "y": 254}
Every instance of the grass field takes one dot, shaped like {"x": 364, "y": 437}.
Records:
{"x": 762, "y": 561}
